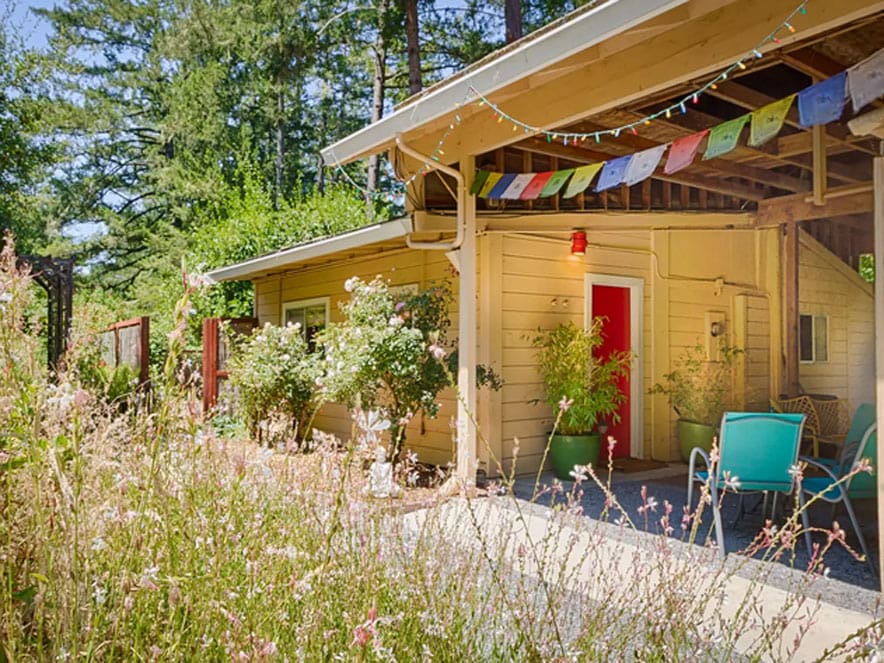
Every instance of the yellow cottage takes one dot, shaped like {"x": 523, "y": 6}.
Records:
{"x": 758, "y": 243}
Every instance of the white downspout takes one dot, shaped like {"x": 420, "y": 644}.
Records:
{"x": 461, "y": 201}
{"x": 465, "y": 245}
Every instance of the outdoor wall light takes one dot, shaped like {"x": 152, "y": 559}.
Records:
{"x": 716, "y": 329}
{"x": 578, "y": 243}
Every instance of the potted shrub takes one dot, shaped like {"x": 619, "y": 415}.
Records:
{"x": 699, "y": 391}
{"x": 582, "y": 390}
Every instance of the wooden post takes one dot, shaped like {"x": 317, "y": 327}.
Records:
{"x": 790, "y": 306}
{"x": 818, "y": 136}
{"x": 491, "y": 350}
{"x": 466, "y": 366}
{"x": 879, "y": 335}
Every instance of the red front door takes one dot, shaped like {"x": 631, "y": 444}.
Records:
{"x": 612, "y": 303}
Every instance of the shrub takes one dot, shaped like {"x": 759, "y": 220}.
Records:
{"x": 274, "y": 374}
{"x": 386, "y": 353}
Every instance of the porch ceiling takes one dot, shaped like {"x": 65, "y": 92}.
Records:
{"x": 775, "y": 179}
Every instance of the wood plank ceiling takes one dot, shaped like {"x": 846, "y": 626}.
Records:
{"x": 775, "y": 179}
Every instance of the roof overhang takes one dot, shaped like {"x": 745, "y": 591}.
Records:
{"x": 379, "y": 232}
{"x": 572, "y": 36}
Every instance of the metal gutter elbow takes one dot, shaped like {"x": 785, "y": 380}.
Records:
{"x": 461, "y": 201}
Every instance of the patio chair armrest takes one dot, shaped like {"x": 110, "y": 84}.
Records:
{"x": 692, "y": 460}
{"x": 813, "y": 462}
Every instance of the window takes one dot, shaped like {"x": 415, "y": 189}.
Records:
{"x": 403, "y": 291}
{"x": 311, "y": 314}
{"x": 813, "y": 335}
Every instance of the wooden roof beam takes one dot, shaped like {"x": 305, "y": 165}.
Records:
{"x": 841, "y": 201}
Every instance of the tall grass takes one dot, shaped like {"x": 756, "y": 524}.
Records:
{"x": 140, "y": 535}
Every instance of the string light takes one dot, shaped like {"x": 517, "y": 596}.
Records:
{"x": 575, "y": 137}
{"x": 680, "y": 104}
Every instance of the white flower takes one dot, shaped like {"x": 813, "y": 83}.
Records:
{"x": 350, "y": 283}
{"x": 436, "y": 351}
{"x": 395, "y": 321}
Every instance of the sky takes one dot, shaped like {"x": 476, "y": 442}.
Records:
{"x": 30, "y": 27}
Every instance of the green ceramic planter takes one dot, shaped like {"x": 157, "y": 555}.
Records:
{"x": 566, "y": 451}
{"x": 693, "y": 434}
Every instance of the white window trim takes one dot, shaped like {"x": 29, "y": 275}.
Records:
{"x": 813, "y": 317}
{"x": 304, "y": 303}
{"x": 636, "y": 379}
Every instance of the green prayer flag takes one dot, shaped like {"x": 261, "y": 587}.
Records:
{"x": 768, "y": 120}
{"x": 723, "y": 138}
{"x": 555, "y": 182}
{"x": 478, "y": 181}
{"x": 582, "y": 177}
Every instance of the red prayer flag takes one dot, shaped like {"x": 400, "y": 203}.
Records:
{"x": 683, "y": 151}
{"x": 536, "y": 185}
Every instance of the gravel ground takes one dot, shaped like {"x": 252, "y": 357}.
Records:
{"x": 851, "y": 583}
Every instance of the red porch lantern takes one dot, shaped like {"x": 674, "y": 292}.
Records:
{"x": 578, "y": 243}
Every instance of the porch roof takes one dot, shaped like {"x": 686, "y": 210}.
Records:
{"x": 355, "y": 240}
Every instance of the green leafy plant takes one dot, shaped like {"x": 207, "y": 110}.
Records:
{"x": 386, "y": 352}
{"x": 275, "y": 374}
{"x": 576, "y": 381}
{"x": 700, "y": 390}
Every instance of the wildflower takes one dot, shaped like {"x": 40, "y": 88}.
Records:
{"x": 399, "y": 306}
{"x": 579, "y": 474}
{"x": 796, "y": 472}
{"x": 436, "y": 351}
{"x": 565, "y": 404}
{"x": 98, "y": 544}
{"x": 99, "y": 593}
{"x": 395, "y": 321}
{"x": 612, "y": 442}
{"x": 367, "y": 632}
{"x": 350, "y": 283}
{"x": 731, "y": 482}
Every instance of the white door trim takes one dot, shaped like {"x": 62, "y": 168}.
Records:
{"x": 636, "y": 288}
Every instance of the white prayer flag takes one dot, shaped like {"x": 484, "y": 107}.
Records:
{"x": 517, "y": 186}
{"x": 866, "y": 80}
{"x": 643, "y": 164}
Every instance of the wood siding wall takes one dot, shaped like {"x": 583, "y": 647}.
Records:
{"x": 826, "y": 286}
{"x": 431, "y": 438}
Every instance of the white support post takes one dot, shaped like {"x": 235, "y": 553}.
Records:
{"x": 466, "y": 368}
{"x": 879, "y": 338}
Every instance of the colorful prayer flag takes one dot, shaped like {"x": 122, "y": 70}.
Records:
{"x": 824, "y": 102}
{"x": 555, "y": 182}
{"x": 502, "y": 185}
{"x": 643, "y": 164}
{"x": 866, "y": 80}
{"x": 724, "y": 137}
{"x": 682, "y": 152}
{"x": 582, "y": 177}
{"x": 515, "y": 189}
{"x": 768, "y": 120}
{"x": 490, "y": 181}
{"x": 478, "y": 181}
{"x": 535, "y": 187}
{"x": 613, "y": 172}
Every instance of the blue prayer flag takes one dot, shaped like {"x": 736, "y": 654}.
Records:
{"x": 613, "y": 173}
{"x": 502, "y": 185}
{"x": 824, "y": 102}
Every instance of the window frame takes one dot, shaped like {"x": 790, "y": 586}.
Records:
{"x": 304, "y": 304}
{"x": 814, "y": 318}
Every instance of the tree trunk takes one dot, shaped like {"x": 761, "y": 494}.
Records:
{"x": 377, "y": 94}
{"x": 513, "y": 13}
{"x": 280, "y": 145}
{"x": 412, "y": 38}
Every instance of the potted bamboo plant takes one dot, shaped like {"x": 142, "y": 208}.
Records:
{"x": 582, "y": 390}
{"x": 699, "y": 391}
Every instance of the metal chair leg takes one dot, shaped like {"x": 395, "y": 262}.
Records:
{"x": 859, "y": 535}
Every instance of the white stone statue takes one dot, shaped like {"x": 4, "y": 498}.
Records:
{"x": 380, "y": 476}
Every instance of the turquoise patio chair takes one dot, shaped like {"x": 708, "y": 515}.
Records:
{"x": 865, "y": 416}
{"x": 862, "y": 485}
{"x": 757, "y": 451}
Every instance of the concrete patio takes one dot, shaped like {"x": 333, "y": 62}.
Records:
{"x": 670, "y": 483}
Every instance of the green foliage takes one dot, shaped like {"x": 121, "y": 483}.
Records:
{"x": 386, "y": 352}
{"x": 700, "y": 390}
{"x": 274, "y": 373}
{"x": 578, "y": 384}
{"x": 867, "y": 267}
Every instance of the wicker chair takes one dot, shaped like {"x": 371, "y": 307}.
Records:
{"x": 802, "y": 405}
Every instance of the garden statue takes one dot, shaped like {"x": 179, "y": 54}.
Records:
{"x": 380, "y": 476}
